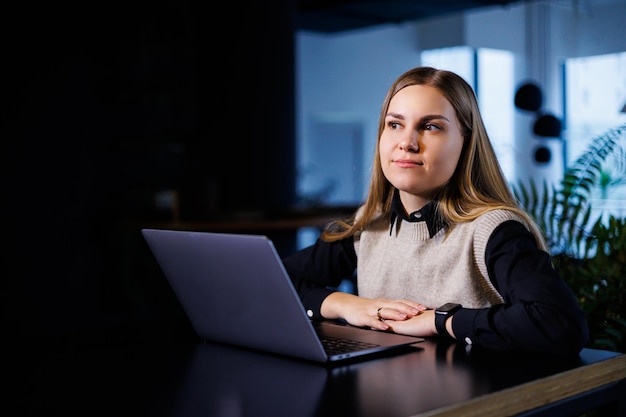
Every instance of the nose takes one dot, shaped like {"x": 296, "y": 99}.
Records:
{"x": 409, "y": 142}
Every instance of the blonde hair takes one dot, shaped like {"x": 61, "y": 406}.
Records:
{"x": 477, "y": 185}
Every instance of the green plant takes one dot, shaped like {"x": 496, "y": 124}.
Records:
{"x": 589, "y": 250}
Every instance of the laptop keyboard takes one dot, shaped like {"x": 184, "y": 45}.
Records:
{"x": 333, "y": 345}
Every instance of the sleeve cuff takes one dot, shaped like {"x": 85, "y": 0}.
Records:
{"x": 312, "y": 301}
{"x": 463, "y": 324}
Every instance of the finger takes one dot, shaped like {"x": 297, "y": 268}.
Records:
{"x": 408, "y": 309}
{"x": 379, "y": 325}
{"x": 391, "y": 313}
{"x": 417, "y": 306}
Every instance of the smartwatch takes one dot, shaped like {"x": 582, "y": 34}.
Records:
{"x": 442, "y": 314}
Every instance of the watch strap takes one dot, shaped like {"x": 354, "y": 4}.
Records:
{"x": 440, "y": 324}
{"x": 442, "y": 315}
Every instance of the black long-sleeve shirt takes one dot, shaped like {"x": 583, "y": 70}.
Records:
{"x": 539, "y": 313}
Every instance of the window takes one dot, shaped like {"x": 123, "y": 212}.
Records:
{"x": 595, "y": 96}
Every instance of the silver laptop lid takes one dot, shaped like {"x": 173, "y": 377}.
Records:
{"x": 234, "y": 289}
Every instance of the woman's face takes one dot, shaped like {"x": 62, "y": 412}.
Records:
{"x": 420, "y": 145}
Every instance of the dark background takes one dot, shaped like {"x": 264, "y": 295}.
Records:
{"x": 110, "y": 103}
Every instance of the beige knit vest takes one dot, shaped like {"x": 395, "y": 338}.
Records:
{"x": 408, "y": 264}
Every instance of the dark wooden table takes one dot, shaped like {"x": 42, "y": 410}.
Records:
{"x": 165, "y": 377}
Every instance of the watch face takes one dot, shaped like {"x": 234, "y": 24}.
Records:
{"x": 449, "y": 307}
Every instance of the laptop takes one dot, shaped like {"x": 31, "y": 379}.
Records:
{"x": 234, "y": 289}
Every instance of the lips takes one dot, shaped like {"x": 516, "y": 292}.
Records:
{"x": 407, "y": 162}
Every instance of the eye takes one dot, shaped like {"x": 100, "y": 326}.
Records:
{"x": 431, "y": 126}
{"x": 393, "y": 125}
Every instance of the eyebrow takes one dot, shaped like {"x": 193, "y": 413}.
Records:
{"x": 424, "y": 118}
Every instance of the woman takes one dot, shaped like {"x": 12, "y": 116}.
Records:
{"x": 440, "y": 246}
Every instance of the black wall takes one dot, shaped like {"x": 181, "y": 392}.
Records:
{"x": 110, "y": 103}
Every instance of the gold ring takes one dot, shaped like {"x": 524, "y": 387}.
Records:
{"x": 378, "y": 314}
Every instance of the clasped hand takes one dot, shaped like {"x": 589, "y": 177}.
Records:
{"x": 398, "y": 316}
